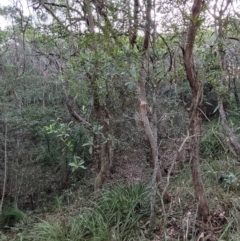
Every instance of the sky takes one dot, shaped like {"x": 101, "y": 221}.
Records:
{"x": 4, "y": 22}
{"x": 24, "y": 5}
{"x": 4, "y": 2}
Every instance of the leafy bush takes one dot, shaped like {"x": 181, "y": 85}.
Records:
{"x": 61, "y": 143}
{"x": 227, "y": 179}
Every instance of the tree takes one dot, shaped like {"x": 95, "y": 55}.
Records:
{"x": 97, "y": 17}
{"x": 86, "y": 51}
{"x": 195, "y": 109}
{"x": 147, "y": 70}
{"x": 108, "y": 64}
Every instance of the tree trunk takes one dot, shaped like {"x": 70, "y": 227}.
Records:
{"x": 5, "y": 163}
{"x": 150, "y": 129}
{"x": 195, "y": 131}
{"x": 104, "y": 147}
{"x": 104, "y": 166}
{"x": 235, "y": 90}
{"x": 194, "y": 112}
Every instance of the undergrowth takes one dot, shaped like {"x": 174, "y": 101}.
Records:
{"x": 116, "y": 215}
{"x": 212, "y": 143}
{"x": 10, "y": 216}
{"x": 121, "y": 213}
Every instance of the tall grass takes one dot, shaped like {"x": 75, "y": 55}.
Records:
{"x": 116, "y": 215}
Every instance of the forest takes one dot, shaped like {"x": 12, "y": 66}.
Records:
{"x": 120, "y": 120}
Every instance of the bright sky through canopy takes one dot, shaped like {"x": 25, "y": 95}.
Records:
{"x": 3, "y": 22}
{"x": 21, "y": 3}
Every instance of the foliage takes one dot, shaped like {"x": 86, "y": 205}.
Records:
{"x": 212, "y": 143}
{"x": 124, "y": 203}
{"x": 116, "y": 215}
{"x": 234, "y": 117}
{"x": 10, "y": 216}
{"x": 61, "y": 143}
{"x": 228, "y": 179}
{"x": 52, "y": 231}
{"x": 91, "y": 225}
{"x": 103, "y": 66}
{"x": 77, "y": 163}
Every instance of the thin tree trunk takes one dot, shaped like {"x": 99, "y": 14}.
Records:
{"x": 235, "y": 91}
{"x": 105, "y": 160}
{"x": 104, "y": 167}
{"x": 156, "y": 177}
{"x": 195, "y": 130}
{"x": 151, "y": 130}
{"x": 195, "y": 112}
{"x": 5, "y": 165}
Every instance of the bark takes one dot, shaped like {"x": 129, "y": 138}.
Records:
{"x": 235, "y": 91}
{"x": 133, "y": 30}
{"x": 150, "y": 129}
{"x": 195, "y": 112}
{"x": 88, "y": 16}
{"x": 5, "y": 165}
{"x": 102, "y": 146}
{"x": 104, "y": 166}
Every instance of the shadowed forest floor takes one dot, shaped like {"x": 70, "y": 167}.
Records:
{"x": 175, "y": 221}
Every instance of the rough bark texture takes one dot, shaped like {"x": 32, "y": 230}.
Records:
{"x": 103, "y": 146}
{"x": 5, "y": 164}
{"x": 195, "y": 112}
{"x": 150, "y": 128}
{"x": 133, "y": 29}
{"x": 104, "y": 165}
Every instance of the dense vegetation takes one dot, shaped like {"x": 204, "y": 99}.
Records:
{"x": 119, "y": 120}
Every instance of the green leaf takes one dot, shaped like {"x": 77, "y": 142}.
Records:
{"x": 133, "y": 73}
{"x": 129, "y": 85}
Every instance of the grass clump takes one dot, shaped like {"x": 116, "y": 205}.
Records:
{"x": 123, "y": 208}
{"x": 90, "y": 225}
{"x": 54, "y": 230}
{"x": 10, "y": 216}
{"x": 116, "y": 215}
{"x": 212, "y": 143}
